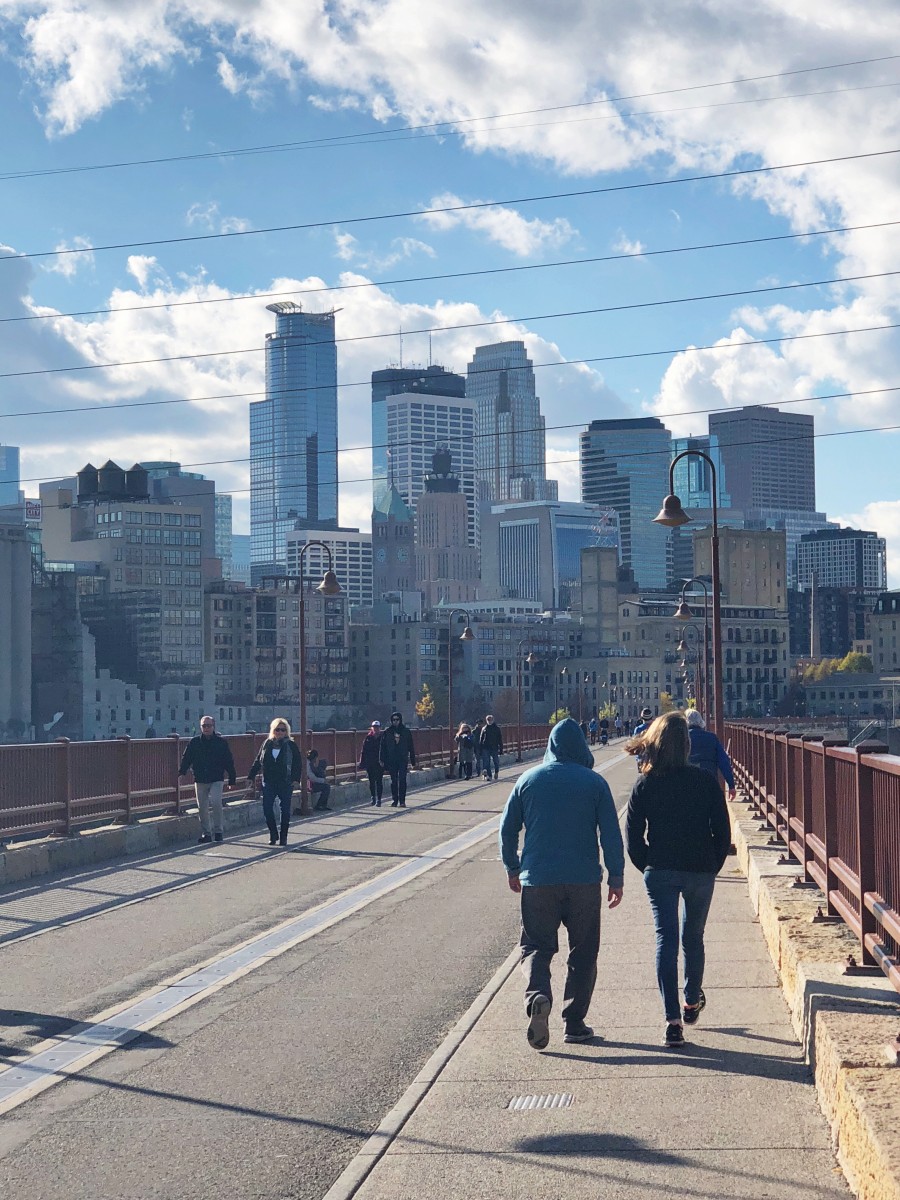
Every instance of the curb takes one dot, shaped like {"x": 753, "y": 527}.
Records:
{"x": 844, "y": 1022}
{"x": 361, "y": 1166}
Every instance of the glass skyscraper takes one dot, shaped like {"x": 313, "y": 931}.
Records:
{"x": 9, "y": 475}
{"x": 293, "y": 436}
{"x": 625, "y": 466}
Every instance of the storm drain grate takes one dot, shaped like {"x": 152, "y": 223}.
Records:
{"x": 556, "y": 1100}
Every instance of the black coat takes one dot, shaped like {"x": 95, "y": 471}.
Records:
{"x": 370, "y": 755}
{"x": 492, "y": 739}
{"x": 286, "y": 767}
{"x": 209, "y": 758}
{"x": 396, "y": 753}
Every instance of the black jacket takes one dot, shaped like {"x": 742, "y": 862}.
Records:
{"x": 370, "y": 755}
{"x": 397, "y": 753}
{"x": 492, "y": 739}
{"x": 677, "y": 820}
{"x": 287, "y": 766}
{"x": 209, "y": 758}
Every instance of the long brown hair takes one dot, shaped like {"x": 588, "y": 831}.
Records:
{"x": 665, "y": 746}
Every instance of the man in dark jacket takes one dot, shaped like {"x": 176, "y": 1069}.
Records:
{"x": 707, "y": 752}
{"x": 209, "y": 757}
{"x": 491, "y": 743}
{"x": 563, "y": 805}
{"x": 397, "y": 756}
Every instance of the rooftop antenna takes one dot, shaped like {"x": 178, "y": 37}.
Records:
{"x": 430, "y": 360}
{"x": 401, "y": 347}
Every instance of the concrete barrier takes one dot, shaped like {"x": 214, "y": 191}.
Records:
{"x": 48, "y": 856}
{"x": 846, "y": 1023}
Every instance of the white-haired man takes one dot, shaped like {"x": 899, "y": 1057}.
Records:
{"x": 209, "y": 757}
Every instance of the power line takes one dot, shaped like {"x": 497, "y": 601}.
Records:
{"x": 452, "y": 208}
{"x": 583, "y": 312}
{"x": 768, "y": 441}
{"x": 571, "y": 362}
{"x": 451, "y": 126}
{"x": 583, "y": 425}
{"x": 346, "y": 287}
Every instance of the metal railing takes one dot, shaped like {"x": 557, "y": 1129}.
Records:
{"x": 61, "y": 786}
{"x": 837, "y": 810}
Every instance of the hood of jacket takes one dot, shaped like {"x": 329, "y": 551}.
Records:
{"x": 566, "y": 744}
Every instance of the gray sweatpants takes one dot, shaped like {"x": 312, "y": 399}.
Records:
{"x": 209, "y": 795}
{"x": 544, "y": 909}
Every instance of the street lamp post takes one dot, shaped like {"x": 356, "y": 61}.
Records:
{"x": 672, "y": 515}
{"x": 684, "y": 612}
{"x": 466, "y": 636}
{"x": 701, "y": 675}
{"x": 557, "y": 675}
{"x": 529, "y": 659}
{"x": 328, "y": 587}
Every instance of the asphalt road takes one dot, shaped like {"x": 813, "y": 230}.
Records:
{"x": 268, "y": 1087}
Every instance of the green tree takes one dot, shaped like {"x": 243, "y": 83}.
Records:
{"x": 559, "y": 715}
{"x": 425, "y": 705}
{"x": 665, "y": 702}
{"x": 858, "y": 663}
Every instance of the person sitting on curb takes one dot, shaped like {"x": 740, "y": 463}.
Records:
{"x": 277, "y": 768}
{"x": 316, "y": 782}
{"x": 563, "y": 804}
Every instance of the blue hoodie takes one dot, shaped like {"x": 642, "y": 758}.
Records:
{"x": 562, "y": 804}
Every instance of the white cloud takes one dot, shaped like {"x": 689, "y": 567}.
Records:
{"x": 68, "y": 265}
{"x": 210, "y": 218}
{"x": 141, "y": 266}
{"x": 348, "y": 249}
{"x": 500, "y": 224}
{"x": 626, "y": 245}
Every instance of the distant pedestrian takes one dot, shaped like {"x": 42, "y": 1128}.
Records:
{"x": 563, "y": 805}
{"x": 465, "y": 750}
{"x": 370, "y": 762}
{"x": 477, "y": 766}
{"x": 209, "y": 757}
{"x": 641, "y": 728}
{"x": 491, "y": 743}
{"x": 398, "y": 754}
{"x": 618, "y": 726}
{"x": 592, "y": 730}
{"x": 678, "y": 833}
{"x": 316, "y": 782}
{"x": 278, "y": 767}
{"x": 707, "y": 752}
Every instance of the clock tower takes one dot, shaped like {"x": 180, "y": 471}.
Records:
{"x": 393, "y": 545}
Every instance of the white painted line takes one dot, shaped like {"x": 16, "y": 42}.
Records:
{"x": 53, "y": 1061}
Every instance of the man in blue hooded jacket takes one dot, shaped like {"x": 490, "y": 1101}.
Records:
{"x": 563, "y": 805}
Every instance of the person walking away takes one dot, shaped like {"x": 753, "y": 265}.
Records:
{"x": 370, "y": 762}
{"x": 678, "y": 834}
{"x": 477, "y": 766}
{"x": 209, "y": 757}
{"x": 592, "y": 730}
{"x": 397, "y": 756}
{"x": 276, "y": 769}
{"x": 707, "y": 752}
{"x": 641, "y": 728}
{"x": 618, "y": 726}
{"x": 465, "y": 752}
{"x": 491, "y": 747}
{"x": 563, "y": 805}
{"x": 316, "y": 782}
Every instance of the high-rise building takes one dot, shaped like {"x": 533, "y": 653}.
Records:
{"x": 511, "y": 449}
{"x": 769, "y": 457}
{"x": 432, "y": 380}
{"x": 168, "y": 482}
{"x": 9, "y": 475}
{"x": 293, "y": 435}
{"x": 842, "y": 558}
{"x": 625, "y": 466}
{"x": 351, "y": 560}
{"x": 393, "y": 546}
{"x": 693, "y": 476}
{"x": 15, "y": 631}
{"x": 447, "y": 566}
{"x": 413, "y": 425}
{"x": 240, "y": 557}
{"x": 224, "y": 532}
{"x": 532, "y": 550}
{"x": 751, "y": 565}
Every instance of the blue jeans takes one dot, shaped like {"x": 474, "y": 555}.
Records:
{"x": 666, "y": 888}
{"x": 490, "y": 759}
{"x": 281, "y": 792}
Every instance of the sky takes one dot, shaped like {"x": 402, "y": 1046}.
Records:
{"x": 167, "y": 144}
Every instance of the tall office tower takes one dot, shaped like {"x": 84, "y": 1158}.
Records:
{"x": 842, "y": 558}
{"x": 169, "y": 482}
{"x": 393, "y": 546}
{"x": 293, "y": 435}
{"x": 511, "y": 452}
{"x": 415, "y": 426}
{"x": 350, "y": 558}
{"x": 625, "y": 466}
{"x": 9, "y": 475}
{"x": 224, "y": 532}
{"x": 693, "y": 477}
{"x": 447, "y": 567}
{"x": 769, "y": 457}
{"x": 395, "y": 381}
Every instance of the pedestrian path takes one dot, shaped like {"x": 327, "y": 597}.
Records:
{"x": 734, "y": 1113}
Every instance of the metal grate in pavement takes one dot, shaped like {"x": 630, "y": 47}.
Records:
{"x": 527, "y": 1103}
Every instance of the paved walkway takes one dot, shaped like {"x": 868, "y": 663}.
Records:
{"x": 733, "y": 1114}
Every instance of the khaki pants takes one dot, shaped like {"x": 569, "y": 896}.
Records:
{"x": 209, "y": 795}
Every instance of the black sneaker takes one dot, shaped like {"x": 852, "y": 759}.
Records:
{"x": 578, "y": 1032}
{"x": 219, "y": 836}
{"x": 691, "y": 1012}
{"x": 273, "y": 839}
{"x": 203, "y": 839}
{"x": 539, "y": 1022}
{"x": 674, "y": 1035}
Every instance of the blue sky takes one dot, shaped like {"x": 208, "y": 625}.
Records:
{"x": 83, "y": 84}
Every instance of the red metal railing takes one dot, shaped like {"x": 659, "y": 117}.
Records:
{"x": 837, "y": 809}
{"x": 58, "y": 787}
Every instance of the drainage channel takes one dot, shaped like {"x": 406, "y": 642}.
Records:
{"x": 68, "y": 1055}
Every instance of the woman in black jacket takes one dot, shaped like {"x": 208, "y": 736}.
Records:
{"x": 370, "y": 762}
{"x": 397, "y": 756}
{"x": 279, "y": 767}
{"x": 678, "y": 834}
